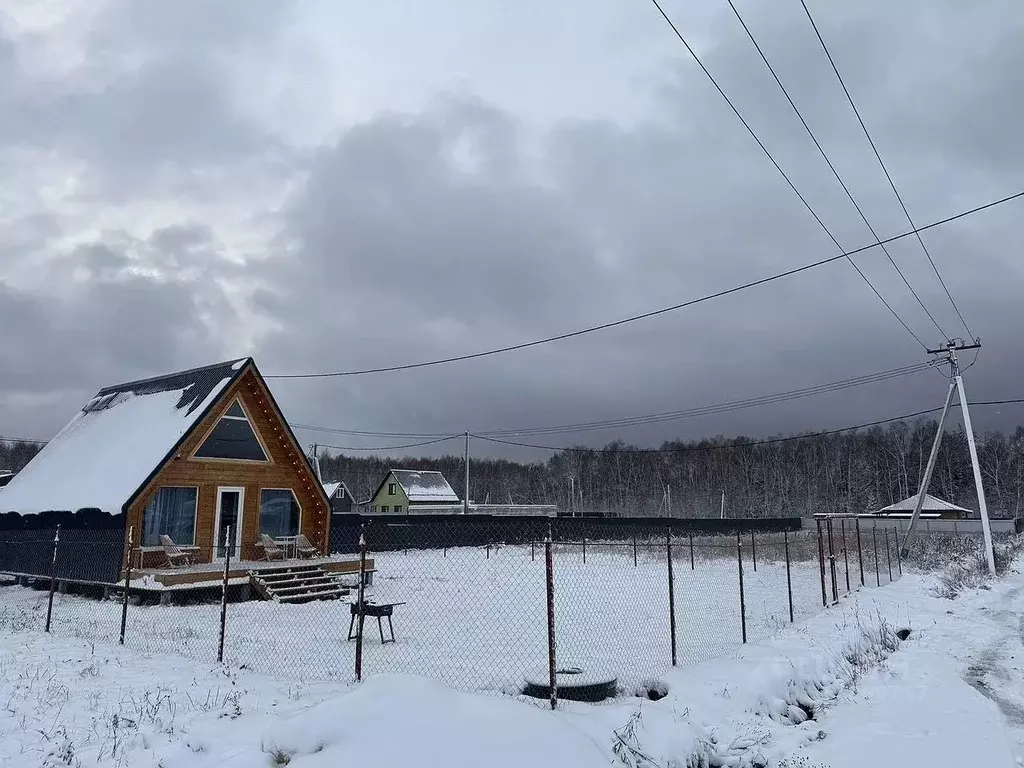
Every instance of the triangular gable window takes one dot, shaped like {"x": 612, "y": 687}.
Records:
{"x": 232, "y": 438}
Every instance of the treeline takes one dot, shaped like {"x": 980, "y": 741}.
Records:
{"x": 848, "y": 472}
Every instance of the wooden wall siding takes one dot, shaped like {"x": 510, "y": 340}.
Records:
{"x": 286, "y": 469}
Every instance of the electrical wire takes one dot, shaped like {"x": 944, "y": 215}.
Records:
{"x": 652, "y": 313}
{"x": 751, "y": 402}
{"x": 885, "y": 170}
{"x": 727, "y": 446}
{"x": 832, "y": 168}
{"x": 726, "y": 407}
{"x": 789, "y": 182}
{"x": 389, "y": 447}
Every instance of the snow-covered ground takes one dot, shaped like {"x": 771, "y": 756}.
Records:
{"x": 476, "y": 619}
{"x": 951, "y": 694}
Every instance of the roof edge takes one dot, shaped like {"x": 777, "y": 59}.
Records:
{"x": 184, "y": 372}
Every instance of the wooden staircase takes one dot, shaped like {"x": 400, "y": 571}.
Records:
{"x": 297, "y": 584}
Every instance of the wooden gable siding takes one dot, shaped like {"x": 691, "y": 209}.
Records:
{"x": 286, "y": 469}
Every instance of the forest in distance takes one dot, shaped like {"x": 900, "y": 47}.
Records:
{"x": 857, "y": 471}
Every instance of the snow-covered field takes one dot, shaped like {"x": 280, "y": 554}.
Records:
{"x": 948, "y": 695}
{"x": 476, "y": 619}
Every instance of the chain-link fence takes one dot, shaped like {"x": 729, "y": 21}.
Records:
{"x": 483, "y": 604}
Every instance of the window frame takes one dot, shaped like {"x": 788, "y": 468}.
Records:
{"x": 392, "y": 489}
{"x": 398, "y": 509}
{"x": 259, "y": 509}
{"x": 195, "y": 516}
{"x": 385, "y": 509}
{"x": 223, "y": 415}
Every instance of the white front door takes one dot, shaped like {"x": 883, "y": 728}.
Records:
{"x": 230, "y": 502}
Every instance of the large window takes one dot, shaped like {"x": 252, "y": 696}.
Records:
{"x": 232, "y": 438}
{"x": 279, "y": 513}
{"x": 171, "y": 512}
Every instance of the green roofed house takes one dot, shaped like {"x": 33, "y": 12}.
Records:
{"x": 401, "y": 488}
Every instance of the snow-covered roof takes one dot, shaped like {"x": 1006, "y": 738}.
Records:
{"x": 424, "y": 486}
{"x": 333, "y": 489}
{"x": 931, "y": 504}
{"x": 111, "y": 447}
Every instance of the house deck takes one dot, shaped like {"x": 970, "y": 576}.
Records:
{"x": 212, "y": 574}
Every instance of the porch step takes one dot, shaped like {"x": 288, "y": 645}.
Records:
{"x": 297, "y": 584}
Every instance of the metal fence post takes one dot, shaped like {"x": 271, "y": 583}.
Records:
{"x": 53, "y": 578}
{"x": 753, "y": 550}
{"x": 789, "y": 577}
{"x": 127, "y": 581}
{"x": 743, "y": 600}
{"x": 846, "y": 556}
{"x": 488, "y": 550}
{"x": 533, "y": 548}
{"x": 832, "y": 561}
{"x": 671, "y": 594}
{"x": 860, "y": 552}
{"x": 888, "y": 553}
{"x": 584, "y": 546}
{"x": 691, "y": 552}
{"x": 821, "y": 566}
{"x": 874, "y": 541}
{"x": 634, "y": 550}
{"x": 549, "y": 568}
{"x": 360, "y": 612}
{"x": 224, "y": 598}
{"x": 899, "y": 559}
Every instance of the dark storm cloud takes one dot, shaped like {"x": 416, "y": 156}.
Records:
{"x": 420, "y": 256}
{"x": 462, "y": 227}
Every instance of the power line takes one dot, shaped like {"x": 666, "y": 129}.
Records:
{"x": 725, "y": 407}
{"x": 751, "y": 402}
{"x": 885, "y": 170}
{"x": 389, "y": 447}
{"x": 5, "y": 439}
{"x": 727, "y": 446}
{"x": 792, "y": 186}
{"x": 832, "y": 168}
{"x": 653, "y": 313}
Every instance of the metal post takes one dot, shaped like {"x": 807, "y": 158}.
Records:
{"x": 465, "y": 494}
{"x": 634, "y": 550}
{"x": 53, "y": 578}
{"x": 899, "y": 562}
{"x": 888, "y": 555}
{"x": 860, "y": 552}
{"x": 584, "y": 546}
{"x": 692, "y": 567}
{"x": 743, "y": 600}
{"x": 789, "y": 577}
{"x": 832, "y": 561}
{"x": 846, "y": 557}
{"x": 533, "y": 548}
{"x": 671, "y": 594}
{"x": 874, "y": 540}
{"x": 360, "y": 606}
{"x": 488, "y": 551}
{"x": 982, "y": 506}
{"x": 753, "y": 550}
{"x": 821, "y": 566}
{"x": 929, "y": 468}
{"x": 224, "y": 599}
{"x": 549, "y": 567}
{"x": 127, "y": 581}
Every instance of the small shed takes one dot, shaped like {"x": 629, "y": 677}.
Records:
{"x": 933, "y": 508}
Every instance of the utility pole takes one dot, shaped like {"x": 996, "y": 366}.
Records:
{"x": 668, "y": 499}
{"x": 316, "y": 462}
{"x": 465, "y": 494}
{"x": 723, "y": 504}
{"x": 572, "y": 495}
{"x": 956, "y": 384}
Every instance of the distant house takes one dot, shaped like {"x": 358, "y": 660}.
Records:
{"x": 403, "y": 487}
{"x": 933, "y": 508}
{"x": 340, "y": 497}
{"x": 190, "y": 455}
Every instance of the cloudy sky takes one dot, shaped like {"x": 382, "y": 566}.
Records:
{"x": 329, "y": 186}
